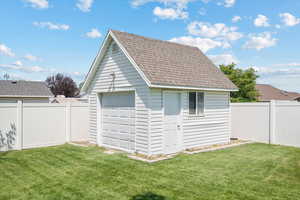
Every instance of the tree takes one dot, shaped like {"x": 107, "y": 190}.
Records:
{"x": 6, "y": 76}
{"x": 60, "y": 84}
{"x": 245, "y": 80}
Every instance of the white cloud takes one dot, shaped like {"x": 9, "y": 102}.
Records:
{"x": 18, "y": 63}
{"x": 179, "y": 3}
{"x": 170, "y": 13}
{"x": 218, "y": 30}
{"x": 31, "y": 57}
{"x": 20, "y": 67}
{"x": 41, "y": 4}
{"x": 175, "y": 9}
{"x": 94, "y": 33}
{"x": 271, "y": 71}
{"x": 294, "y": 64}
{"x": 289, "y": 19}
{"x": 4, "y": 50}
{"x": 204, "y": 44}
{"x": 52, "y": 26}
{"x": 277, "y": 26}
{"x": 225, "y": 59}
{"x": 260, "y": 41}
{"x": 261, "y": 21}
{"x": 236, "y": 19}
{"x": 229, "y": 3}
{"x": 278, "y": 74}
{"x": 84, "y": 5}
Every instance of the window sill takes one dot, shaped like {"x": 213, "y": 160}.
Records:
{"x": 194, "y": 116}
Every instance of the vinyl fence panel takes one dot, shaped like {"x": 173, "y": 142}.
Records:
{"x": 43, "y": 125}
{"x": 275, "y": 122}
{"x": 79, "y": 122}
{"x": 8, "y": 117}
{"x": 250, "y": 121}
{"x": 287, "y": 125}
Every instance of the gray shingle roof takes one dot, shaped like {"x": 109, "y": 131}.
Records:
{"x": 24, "y": 89}
{"x": 268, "y": 93}
{"x": 172, "y": 64}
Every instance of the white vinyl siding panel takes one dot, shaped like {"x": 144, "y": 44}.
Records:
{"x": 213, "y": 126}
{"x": 126, "y": 79}
{"x": 156, "y": 122}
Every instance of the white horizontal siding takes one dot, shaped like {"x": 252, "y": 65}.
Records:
{"x": 126, "y": 78}
{"x": 156, "y": 121}
{"x": 213, "y": 127}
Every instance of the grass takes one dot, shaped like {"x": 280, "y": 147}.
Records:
{"x": 253, "y": 171}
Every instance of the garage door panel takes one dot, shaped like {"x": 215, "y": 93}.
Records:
{"x": 118, "y": 120}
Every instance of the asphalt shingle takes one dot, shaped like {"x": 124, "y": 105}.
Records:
{"x": 171, "y": 64}
{"x": 24, "y": 88}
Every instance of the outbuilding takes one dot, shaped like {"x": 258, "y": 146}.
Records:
{"x": 156, "y": 97}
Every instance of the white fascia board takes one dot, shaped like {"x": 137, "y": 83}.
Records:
{"x": 192, "y": 88}
{"x": 131, "y": 59}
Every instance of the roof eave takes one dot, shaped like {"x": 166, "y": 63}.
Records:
{"x": 192, "y": 88}
{"x": 23, "y": 96}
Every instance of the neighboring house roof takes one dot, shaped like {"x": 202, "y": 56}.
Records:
{"x": 168, "y": 64}
{"x": 268, "y": 93}
{"x": 9, "y": 88}
{"x": 68, "y": 99}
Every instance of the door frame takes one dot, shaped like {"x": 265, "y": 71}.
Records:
{"x": 180, "y": 132}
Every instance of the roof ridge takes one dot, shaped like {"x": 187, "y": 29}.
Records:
{"x": 155, "y": 39}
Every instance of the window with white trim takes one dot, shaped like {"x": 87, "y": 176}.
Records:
{"x": 196, "y": 103}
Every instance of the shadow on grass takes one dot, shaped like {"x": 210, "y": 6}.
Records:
{"x": 148, "y": 196}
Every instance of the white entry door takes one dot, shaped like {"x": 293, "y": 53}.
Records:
{"x": 172, "y": 122}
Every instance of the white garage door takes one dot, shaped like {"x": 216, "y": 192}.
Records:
{"x": 118, "y": 120}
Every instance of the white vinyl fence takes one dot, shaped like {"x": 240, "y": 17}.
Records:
{"x": 43, "y": 124}
{"x": 275, "y": 122}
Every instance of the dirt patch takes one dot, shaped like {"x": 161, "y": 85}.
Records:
{"x": 214, "y": 147}
{"x": 83, "y": 143}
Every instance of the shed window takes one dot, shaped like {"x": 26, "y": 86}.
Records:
{"x": 196, "y": 103}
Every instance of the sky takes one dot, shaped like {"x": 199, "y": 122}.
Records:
{"x": 39, "y": 38}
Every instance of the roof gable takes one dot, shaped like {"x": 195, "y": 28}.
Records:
{"x": 167, "y": 64}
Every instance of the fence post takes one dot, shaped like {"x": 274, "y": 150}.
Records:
{"x": 272, "y": 139}
{"x": 68, "y": 121}
{"x": 19, "y": 126}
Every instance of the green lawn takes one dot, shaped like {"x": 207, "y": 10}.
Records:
{"x": 253, "y": 171}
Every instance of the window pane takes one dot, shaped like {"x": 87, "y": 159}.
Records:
{"x": 192, "y": 103}
{"x": 118, "y": 99}
{"x": 200, "y": 103}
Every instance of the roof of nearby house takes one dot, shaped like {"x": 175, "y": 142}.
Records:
{"x": 62, "y": 99}
{"x": 268, "y": 93}
{"x": 9, "y": 88}
{"x": 169, "y": 64}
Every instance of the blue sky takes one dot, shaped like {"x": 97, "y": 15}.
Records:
{"x": 43, "y": 37}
